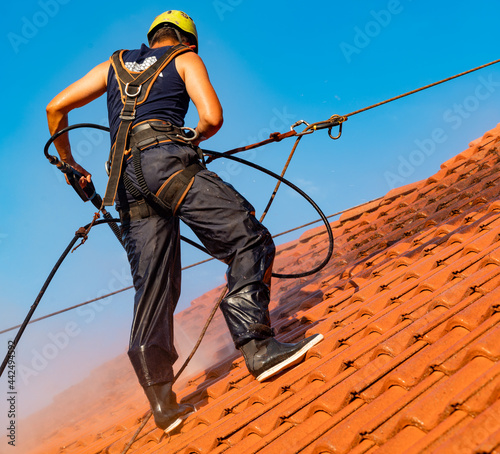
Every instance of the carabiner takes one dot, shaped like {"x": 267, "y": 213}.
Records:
{"x": 305, "y": 131}
{"x": 193, "y": 131}
{"x": 338, "y": 135}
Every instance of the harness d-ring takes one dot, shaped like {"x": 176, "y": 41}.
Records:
{"x": 132, "y": 95}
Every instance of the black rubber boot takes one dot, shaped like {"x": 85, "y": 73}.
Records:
{"x": 167, "y": 412}
{"x": 265, "y": 358}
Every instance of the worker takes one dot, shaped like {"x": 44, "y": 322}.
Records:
{"x": 161, "y": 180}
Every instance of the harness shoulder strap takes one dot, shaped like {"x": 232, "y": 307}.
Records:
{"x": 134, "y": 90}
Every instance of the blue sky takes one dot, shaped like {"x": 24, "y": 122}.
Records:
{"x": 271, "y": 64}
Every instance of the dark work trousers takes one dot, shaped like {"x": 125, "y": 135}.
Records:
{"x": 225, "y": 224}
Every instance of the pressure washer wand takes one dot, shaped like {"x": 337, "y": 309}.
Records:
{"x": 73, "y": 176}
{"x": 87, "y": 193}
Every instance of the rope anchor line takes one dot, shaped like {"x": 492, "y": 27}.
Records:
{"x": 338, "y": 120}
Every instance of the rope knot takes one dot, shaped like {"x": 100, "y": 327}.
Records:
{"x": 84, "y": 233}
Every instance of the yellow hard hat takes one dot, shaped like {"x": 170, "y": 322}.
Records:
{"x": 177, "y": 19}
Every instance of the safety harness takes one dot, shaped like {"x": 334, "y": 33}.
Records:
{"x": 134, "y": 90}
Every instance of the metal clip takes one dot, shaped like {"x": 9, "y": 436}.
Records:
{"x": 305, "y": 131}
{"x": 191, "y": 138}
{"x": 338, "y": 135}
{"x": 334, "y": 120}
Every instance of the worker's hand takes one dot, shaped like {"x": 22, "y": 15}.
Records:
{"x": 85, "y": 177}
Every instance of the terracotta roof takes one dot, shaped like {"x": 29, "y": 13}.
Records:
{"x": 409, "y": 306}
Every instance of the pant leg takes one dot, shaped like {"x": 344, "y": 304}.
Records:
{"x": 226, "y": 225}
{"x": 153, "y": 249}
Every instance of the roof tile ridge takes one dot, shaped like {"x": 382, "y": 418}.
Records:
{"x": 402, "y": 191}
{"x": 474, "y": 151}
{"x": 483, "y": 392}
{"x": 227, "y": 427}
{"x": 343, "y": 435}
{"x": 450, "y": 360}
{"x": 406, "y": 411}
{"x": 377, "y": 429}
{"x": 322, "y": 372}
{"x": 410, "y": 373}
{"x": 454, "y": 423}
{"x": 431, "y": 405}
{"x": 408, "y": 366}
{"x": 309, "y": 441}
{"x": 475, "y": 434}
{"x": 205, "y": 439}
{"x": 357, "y": 211}
{"x": 469, "y": 432}
{"x": 492, "y": 443}
{"x": 466, "y": 287}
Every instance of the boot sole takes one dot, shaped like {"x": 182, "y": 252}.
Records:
{"x": 178, "y": 422}
{"x": 292, "y": 360}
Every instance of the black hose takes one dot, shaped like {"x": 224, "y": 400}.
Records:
{"x": 303, "y": 194}
{"x": 53, "y": 160}
{"x": 13, "y": 344}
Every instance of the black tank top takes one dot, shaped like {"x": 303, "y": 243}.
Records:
{"x": 168, "y": 99}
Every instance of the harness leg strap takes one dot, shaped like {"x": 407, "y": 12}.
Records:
{"x": 174, "y": 190}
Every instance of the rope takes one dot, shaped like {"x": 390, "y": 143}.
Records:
{"x": 421, "y": 88}
{"x": 337, "y": 120}
{"x": 278, "y": 183}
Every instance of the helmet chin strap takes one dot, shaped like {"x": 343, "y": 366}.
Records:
{"x": 179, "y": 37}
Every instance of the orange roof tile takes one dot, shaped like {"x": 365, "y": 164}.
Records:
{"x": 409, "y": 307}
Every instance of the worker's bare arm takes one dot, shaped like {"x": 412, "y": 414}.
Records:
{"x": 192, "y": 70}
{"x": 78, "y": 94}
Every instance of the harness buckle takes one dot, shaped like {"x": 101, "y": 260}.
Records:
{"x": 127, "y": 117}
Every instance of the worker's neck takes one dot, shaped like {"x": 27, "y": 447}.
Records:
{"x": 165, "y": 42}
